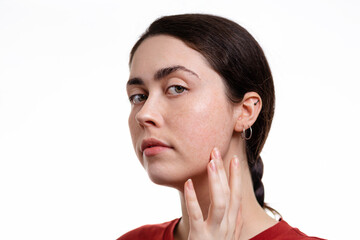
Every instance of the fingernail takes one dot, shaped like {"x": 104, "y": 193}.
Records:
{"x": 236, "y": 161}
{"x": 190, "y": 184}
{"x": 212, "y": 165}
{"x": 217, "y": 153}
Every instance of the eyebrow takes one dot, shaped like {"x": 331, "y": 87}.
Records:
{"x": 161, "y": 73}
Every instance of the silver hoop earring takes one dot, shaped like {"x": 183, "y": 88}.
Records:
{"x": 243, "y": 134}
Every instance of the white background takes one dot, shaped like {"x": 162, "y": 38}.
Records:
{"x": 67, "y": 167}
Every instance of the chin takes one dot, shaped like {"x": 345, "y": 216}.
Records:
{"x": 166, "y": 179}
{"x": 172, "y": 176}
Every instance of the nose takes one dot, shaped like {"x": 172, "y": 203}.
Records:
{"x": 150, "y": 113}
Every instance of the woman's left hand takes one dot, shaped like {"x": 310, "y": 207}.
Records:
{"x": 224, "y": 221}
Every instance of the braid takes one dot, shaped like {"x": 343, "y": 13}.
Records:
{"x": 257, "y": 169}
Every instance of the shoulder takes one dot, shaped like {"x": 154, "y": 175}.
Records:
{"x": 152, "y": 231}
{"x": 281, "y": 231}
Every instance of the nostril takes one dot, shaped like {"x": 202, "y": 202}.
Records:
{"x": 151, "y": 122}
{"x": 147, "y": 123}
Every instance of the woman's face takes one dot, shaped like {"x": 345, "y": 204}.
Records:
{"x": 179, "y": 110}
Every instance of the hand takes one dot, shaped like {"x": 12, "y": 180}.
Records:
{"x": 224, "y": 219}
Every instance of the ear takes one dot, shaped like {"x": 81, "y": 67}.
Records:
{"x": 247, "y": 111}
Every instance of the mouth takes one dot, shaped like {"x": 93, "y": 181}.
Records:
{"x": 152, "y": 146}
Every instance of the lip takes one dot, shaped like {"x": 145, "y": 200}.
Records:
{"x": 152, "y": 146}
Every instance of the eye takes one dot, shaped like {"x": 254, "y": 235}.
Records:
{"x": 137, "y": 98}
{"x": 176, "y": 89}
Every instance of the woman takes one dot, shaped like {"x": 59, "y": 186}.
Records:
{"x": 202, "y": 99}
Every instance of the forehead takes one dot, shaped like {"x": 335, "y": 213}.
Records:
{"x": 162, "y": 51}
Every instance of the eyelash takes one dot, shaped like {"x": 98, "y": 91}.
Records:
{"x": 178, "y": 86}
{"x": 133, "y": 97}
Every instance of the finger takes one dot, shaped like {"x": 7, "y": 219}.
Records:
{"x": 196, "y": 219}
{"x": 217, "y": 198}
{"x": 235, "y": 193}
{"x": 224, "y": 181}
{"x": 239, "y": 224}
{"x": 222, "y": 173}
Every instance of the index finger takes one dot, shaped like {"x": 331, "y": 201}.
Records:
{"x": 192, "y": 206}
{"x": 235, "y": 192}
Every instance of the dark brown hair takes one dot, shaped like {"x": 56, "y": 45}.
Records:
{"x": 237, "y": 57}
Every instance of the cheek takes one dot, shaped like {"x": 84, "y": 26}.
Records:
{"x": 131, "y": 123}
{"x": 135, "y": 132}
{"x": 203, "y": 126}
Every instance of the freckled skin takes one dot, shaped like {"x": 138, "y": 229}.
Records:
{"x": 192, "y": 122}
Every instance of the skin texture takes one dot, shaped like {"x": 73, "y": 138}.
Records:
{"x": 173, "y": 118}
{"x": 187, "y": 110}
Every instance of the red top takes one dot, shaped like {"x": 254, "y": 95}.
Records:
{"x": 164, "y": 231}
{"x": 282, "y": 231}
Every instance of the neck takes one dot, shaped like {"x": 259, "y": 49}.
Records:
{"x": 255, "y": 219}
